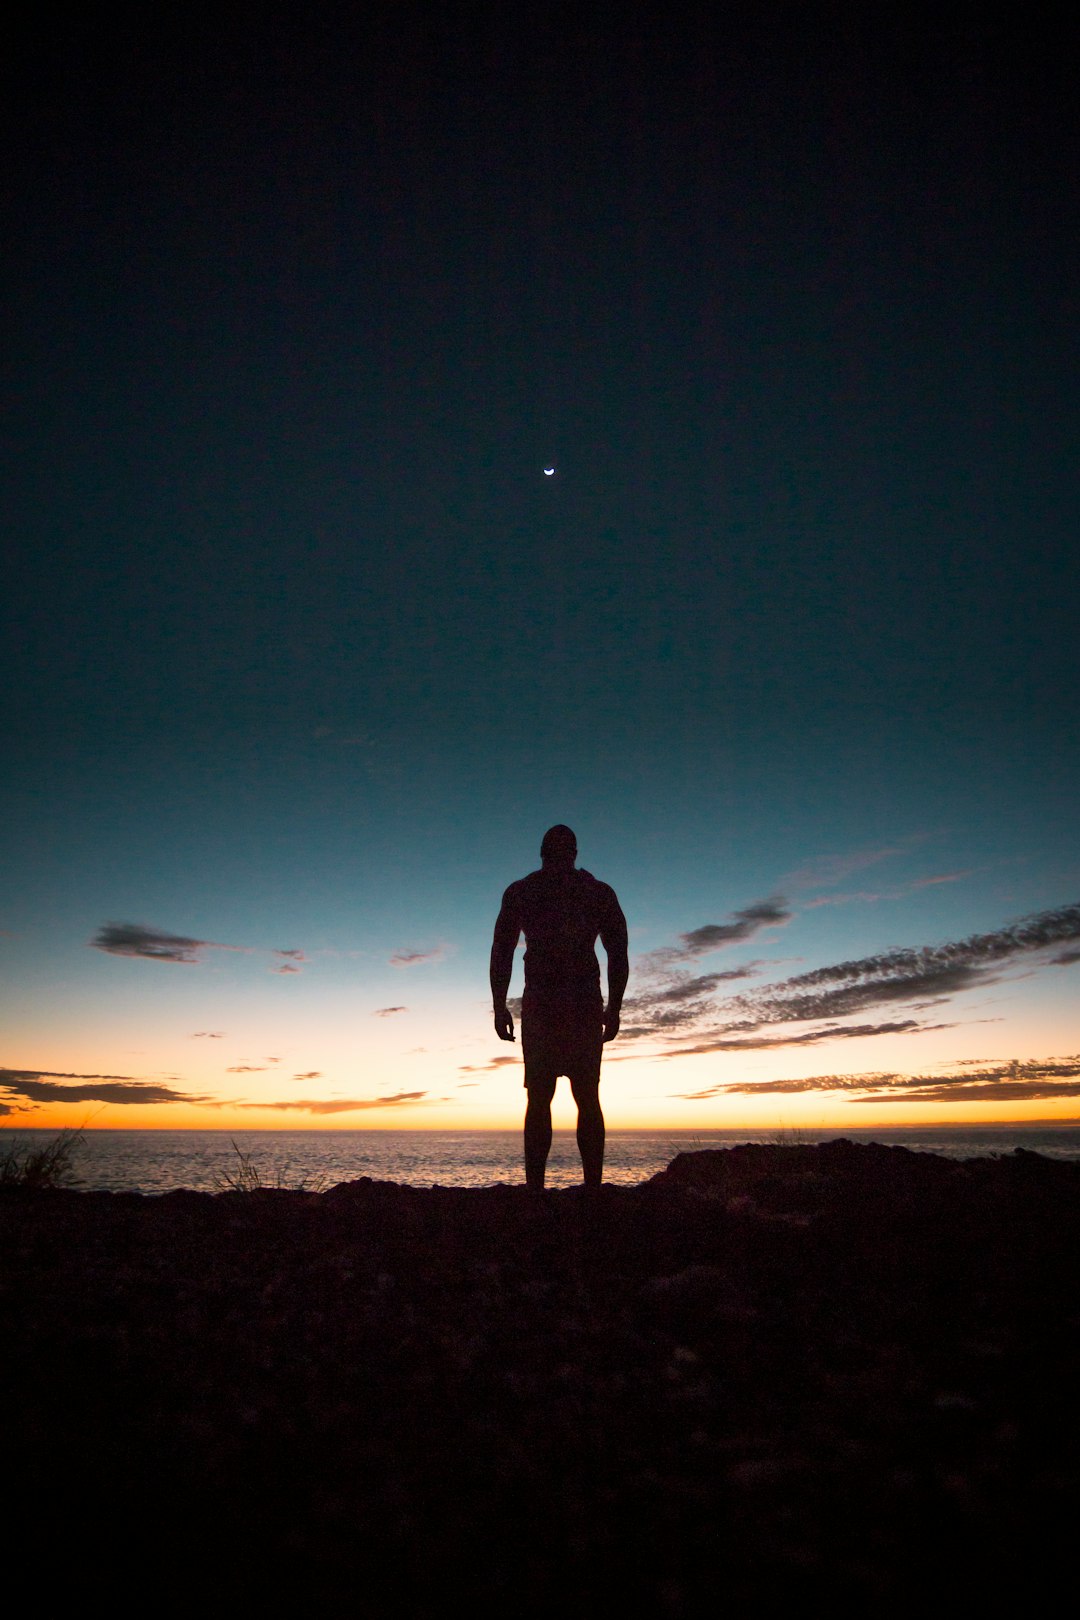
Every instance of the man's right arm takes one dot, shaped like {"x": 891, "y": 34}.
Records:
{"x": 613, "y": 937}
{"x": 503, "y": 946}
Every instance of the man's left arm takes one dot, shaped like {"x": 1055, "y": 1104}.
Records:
{"x": 614, "y": 940}
{"x": 503, "y": 946}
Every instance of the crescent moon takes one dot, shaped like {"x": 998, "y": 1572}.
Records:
{"x": 549, "y": 472}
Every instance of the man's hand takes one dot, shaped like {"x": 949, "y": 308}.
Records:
{"x": 611, "y": 1023}
{"x": 504, "y": 1024}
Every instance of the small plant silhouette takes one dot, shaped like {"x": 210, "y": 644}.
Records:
{"x": 246, "y": 1177}
{"x": 50, "y": 1165}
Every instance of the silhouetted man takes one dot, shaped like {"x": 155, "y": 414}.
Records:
{"x": 564, "y": 1023}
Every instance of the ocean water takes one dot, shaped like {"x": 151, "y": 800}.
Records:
{"x": 160, "y": 1161}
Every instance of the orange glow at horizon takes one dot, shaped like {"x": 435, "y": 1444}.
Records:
{"x": 502, "y": 1108}
{"x": 344, "y": 1072}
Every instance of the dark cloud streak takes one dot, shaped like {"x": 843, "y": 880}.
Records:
{"x": 692, "y": 989}
{"x": 909, "y": 975}
{"x": 810, "y": 1037}
{"x": 39, "y": 1085}
{"x": 671, "y": 1004}
{"x": 772, "y": 913}
{"x": 152, "y": 944}
{"x": 1017, "y": 1080}
{"x": 158, "y": 945}
{"x": 1033, "y": 933}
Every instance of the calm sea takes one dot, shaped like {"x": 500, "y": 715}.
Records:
{"x": 159, "y": 1161}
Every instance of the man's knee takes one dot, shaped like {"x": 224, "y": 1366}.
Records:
{"x": 587, "y": 1096}
{"x": 540, "y": 1090}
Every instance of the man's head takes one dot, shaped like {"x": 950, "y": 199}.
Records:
{"x": 559, "y": 847}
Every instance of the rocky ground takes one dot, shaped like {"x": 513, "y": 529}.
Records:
{"x": 836, "y": 1373}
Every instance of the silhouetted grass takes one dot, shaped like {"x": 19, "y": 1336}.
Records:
{"x": 246, "y": 1176}
{"x": 785, "y": 1136}
{"x": 51, "y": 1165}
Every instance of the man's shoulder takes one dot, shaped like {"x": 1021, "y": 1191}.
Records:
{"x": 521, "y": 889}
{"x": 540, "y": 885}
{"x": 602, "y": 891}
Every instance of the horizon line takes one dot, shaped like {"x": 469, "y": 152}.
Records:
{"x": 771, "y": 1128}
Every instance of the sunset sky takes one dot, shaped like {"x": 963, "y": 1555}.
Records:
{"x": 305, "y": 650}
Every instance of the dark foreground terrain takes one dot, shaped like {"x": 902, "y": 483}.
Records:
{"x": 837, "y": 1373}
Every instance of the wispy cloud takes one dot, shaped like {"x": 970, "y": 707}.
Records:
{"x": 50, "y": 1085}
{"x": 826, "y": 871}
{"x": 897, "y": 892}
{"x": 685, "y": 1009}
{"x": 388, "y": 1012}
{"x": 1014, "y": 1080}
{"x": 158, "y": 945}
{"x": 493, "y": 1063}
{"x": 408, "y": 959}
{"x": 288, "y": 961}
{"x": 339, "y": 1105}
{"x": 312, "y": 1074}
{"x": 692, "y": 989}
{"x": 246, "y": 1068}
{"x": 668, "y": 996}
{"x": 808, "y": 1037}
{"x": 208, "y": 1035}
{"x": 670, "y": 1001}
{"x": 931, "y": 971}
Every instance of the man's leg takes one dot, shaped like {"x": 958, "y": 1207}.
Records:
{"x": 590, "y": 1128}
{"x": 538, "y": 1129}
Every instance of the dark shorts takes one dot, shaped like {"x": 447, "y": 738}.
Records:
{"x": 562, "y": 1038}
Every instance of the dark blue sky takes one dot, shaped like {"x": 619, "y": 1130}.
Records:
{"x": 300, "y": 306}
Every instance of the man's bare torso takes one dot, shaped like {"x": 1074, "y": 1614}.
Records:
{"x": 561, "y": 914}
